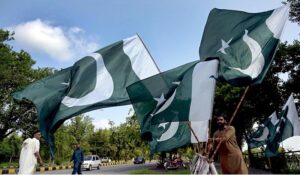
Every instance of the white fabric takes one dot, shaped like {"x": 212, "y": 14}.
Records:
{"x": 201, "y": 166}
{"x": 276, "y": 21}
{"x": 142, "y": 63}
{"x": 292, "y": 115}
{"x": 201, "y": 130}
{"x": 28, "y": 160}
{"x": 203, "y": 90}
{"x": 100, "y": 92}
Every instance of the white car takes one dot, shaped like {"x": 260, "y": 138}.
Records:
{"x": 90, "y": 162}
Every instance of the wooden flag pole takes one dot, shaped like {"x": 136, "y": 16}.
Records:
{"x": 207, "y": 150}
{"x": 238, "y": 106}
{"x": 189, "y": 124}
{"x": 231, "y": 119}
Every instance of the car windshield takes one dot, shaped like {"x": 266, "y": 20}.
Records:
{"x": 87, "y": 157}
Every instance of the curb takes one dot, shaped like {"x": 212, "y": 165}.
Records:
{"x": 38, "y": 169}
{"x": 52, "y": 168}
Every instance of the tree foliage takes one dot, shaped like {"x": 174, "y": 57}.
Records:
{"x": 295, "y": 10}
{"x": 16, "y": 72}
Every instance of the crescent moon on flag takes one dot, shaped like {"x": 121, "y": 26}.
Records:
{"x": 167, "y": 103}
{"x": 264, "y": 135}
{"x": 257, "y": 58}
{"x": 170, "y": 132}
{"x": 102, "y": 91}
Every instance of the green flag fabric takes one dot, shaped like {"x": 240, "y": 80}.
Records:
{"x": 171, "y": 135}
{"x": 264, "y": 133}
{"x": 185, "y": 93}
{"x": 288, "y": 126}
{"x": 292, "y": 123}
{"x": 245, "y": 43}
{"x": 96, "y": 81}
{"x": 273, "y": 143}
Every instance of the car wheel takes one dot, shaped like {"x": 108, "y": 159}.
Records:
{"x": 90, "y": 168}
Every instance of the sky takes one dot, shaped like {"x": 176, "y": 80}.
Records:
{"x": 57, "y": 33}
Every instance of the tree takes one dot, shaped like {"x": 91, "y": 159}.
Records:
{"x": 10, "y": 148}
{"x": 295, "y": 11}
{"x": 16, "y": 72}
{"x": 291, "y": 57}
{"x": 81, "y": 128}
{"x": 64, "y": 144}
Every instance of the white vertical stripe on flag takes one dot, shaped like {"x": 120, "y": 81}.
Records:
{"x": 139, "y": 57}
{"x": 292, "y": 115}
{"x": 203, "y": 90}
{"x": 201, "y": 130}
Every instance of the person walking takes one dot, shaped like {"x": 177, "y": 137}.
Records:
{"x": 77, "y": 159}
{"x": 30, "y": 153}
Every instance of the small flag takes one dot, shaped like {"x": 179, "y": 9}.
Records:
{"x": 288, "y": 126}
{"x": 264, "y": 133}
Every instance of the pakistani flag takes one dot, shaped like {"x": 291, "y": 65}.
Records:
{"x": 288, "y": 126}
{"x": 171, "y": 135}
{"x": 185, "y": 93}
{"x": 96, "y": 81}
{"x": 264, "y": 133}
{"x": 244, "y": 42}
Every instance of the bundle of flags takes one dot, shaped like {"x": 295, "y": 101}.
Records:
{"x": 236, "y": 47}
{"x": 275, "y": 130}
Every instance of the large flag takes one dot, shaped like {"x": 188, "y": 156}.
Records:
{"x": 288, "y": 126}
{"x": 185, "y": 93}
{"x": 170, "y": 135}
{"x": 244, "y": 42}
{"x": 264, "y": 133}
{"x": 96, "y": 81}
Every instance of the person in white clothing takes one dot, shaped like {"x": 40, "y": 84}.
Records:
{"x": 30, "y": 154}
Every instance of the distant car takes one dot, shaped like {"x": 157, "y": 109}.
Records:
{"x": 90, "y": 162}
{"x": 105, "y": 160}
{"x": 139, "y": 160}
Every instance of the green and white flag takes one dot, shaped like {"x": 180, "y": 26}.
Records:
{"x": 185, "y": 93}
{"x": 264, "y": 133}
{"x": 288, "y": 126}
{"x": 96, "y": 81}
{"x": 292, "y": 123}
{"x": 171, "y": 135}
{"x": 245, "y": 43}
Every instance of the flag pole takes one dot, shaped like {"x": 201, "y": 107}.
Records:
{"x": 231, "y": 119}
{"x": 148, "y": 52}
{"x": 207, "y": 150}
{"x": 190, "y": 126}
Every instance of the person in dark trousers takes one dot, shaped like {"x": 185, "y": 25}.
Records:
{"x": 77, "y": 158}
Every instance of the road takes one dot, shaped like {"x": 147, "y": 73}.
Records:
{"x": 114, "y": 169}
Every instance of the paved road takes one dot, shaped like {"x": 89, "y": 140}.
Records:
{"x": 114, "y": 169}
{"x": 127, "y": 168}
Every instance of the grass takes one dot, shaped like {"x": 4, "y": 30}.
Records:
{"x": 7, "y": 164}
{"x": 147, "y": 171}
